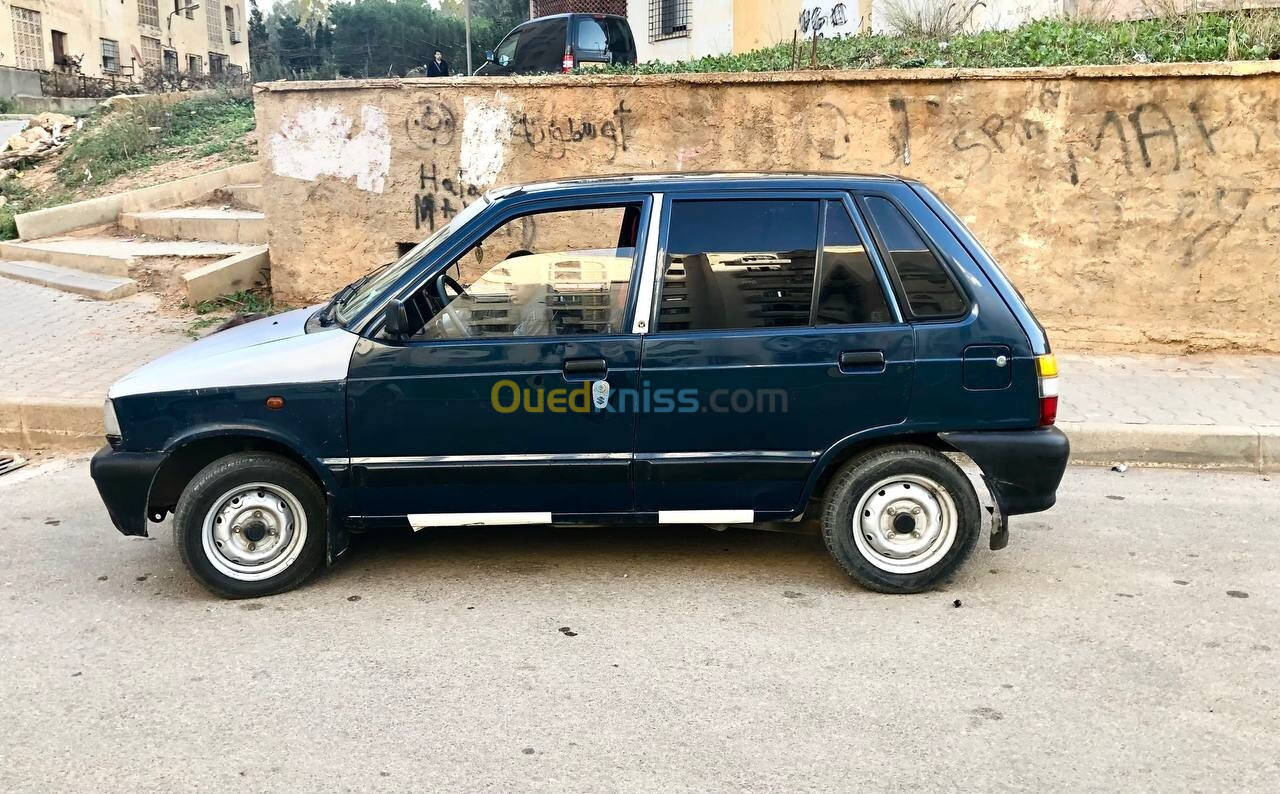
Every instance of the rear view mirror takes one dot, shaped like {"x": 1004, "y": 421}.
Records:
{"x": 396, "y": 319}
{"x": 488, "y": 55}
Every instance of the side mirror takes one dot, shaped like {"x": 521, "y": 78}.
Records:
{"x": 396, "y": 319}
{"x": 488, "y": 55}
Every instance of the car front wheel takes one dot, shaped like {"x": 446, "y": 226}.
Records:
{"x": 251, "y": 524}
{"x": 900, "y": 519}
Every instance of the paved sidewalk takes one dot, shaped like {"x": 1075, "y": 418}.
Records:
{"x": 61, "y": 352}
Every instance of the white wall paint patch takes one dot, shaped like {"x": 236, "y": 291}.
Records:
{"x": 318, "y": 142}
{"x": 486, "y": 125}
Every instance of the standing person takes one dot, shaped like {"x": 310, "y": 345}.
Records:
{"x": 438, "y": 66}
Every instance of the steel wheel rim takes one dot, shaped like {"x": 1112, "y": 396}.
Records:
{"x": 905, "y": 523}
{"x": 254, "y": 532}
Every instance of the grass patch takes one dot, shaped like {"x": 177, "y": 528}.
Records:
{"x": 245, "y": 302}
{"x": 1239, "y": 35}
{"x": 146, "y": 132}
{"x": 19, "y": 199}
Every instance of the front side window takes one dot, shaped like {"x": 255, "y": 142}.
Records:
{"x": 734, "y": 264}
{"x": 556, "y": 273}
{"x": 110, "y": 56}
{"x": 929, "y": 290}
{"x": 506, "y": 53}
{"x": 848, "y": 291}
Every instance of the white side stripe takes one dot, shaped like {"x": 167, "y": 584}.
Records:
{"x": 706, "y": 516}
{"x": 422, "y": 520}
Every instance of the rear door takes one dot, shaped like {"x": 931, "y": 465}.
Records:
{"x": 541, "y": 47}
{"x": 776, "y": 336}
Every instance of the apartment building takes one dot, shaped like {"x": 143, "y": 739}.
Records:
{"x": 118, "y": 38}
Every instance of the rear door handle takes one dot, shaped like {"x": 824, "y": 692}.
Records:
{"x": 585, "y": 368}
{"x": 862, "y": 361}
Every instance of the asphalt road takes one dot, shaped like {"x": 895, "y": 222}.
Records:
{"x": 1110, "y": 647}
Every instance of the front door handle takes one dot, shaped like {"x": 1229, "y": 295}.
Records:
{"x": 585, "y": 368}
{"x": 862, "y": 361}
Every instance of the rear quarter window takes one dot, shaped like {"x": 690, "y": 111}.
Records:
{"x": 930, "y": 291}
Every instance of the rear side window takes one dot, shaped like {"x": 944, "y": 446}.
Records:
{"x": 621, "y": 44}
{"x": 848, "y": 291}
{"x": 541, "y": 47}
{"x": 739, "y": 265}
{"x": 591, "y": 36}
{"x": 929, "y": 290}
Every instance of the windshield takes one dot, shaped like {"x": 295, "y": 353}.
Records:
{"x": 376, "y": 282}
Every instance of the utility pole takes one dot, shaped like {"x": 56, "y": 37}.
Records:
{"x": 466, "y": 6}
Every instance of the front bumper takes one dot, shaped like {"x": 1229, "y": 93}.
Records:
{"x": 124, "y": 482}
{"x": 1021, "y": 467}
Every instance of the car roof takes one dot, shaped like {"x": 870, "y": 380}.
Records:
{"x": 670, "y": 182}
{"x": 566, "y": 15}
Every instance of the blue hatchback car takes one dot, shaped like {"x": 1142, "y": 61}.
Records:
{"x": 722, "y": 349}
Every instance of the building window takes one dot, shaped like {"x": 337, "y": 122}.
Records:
{"x": 150, "y": 51}
{"x": 59, "y": 47}
{"x": 217, "y": 63}
{"x": 28, "y": 39}
{"x": 149, "y": 13}
{"x": 213, "y": 23}
{"x": 668, "y": 19}
{"x": 195, "y": 65}
{"x": 170, "y": 61}
{"x": 187, "y": 7}
{"x": 110, "y": 56}
{"x": 231, "y": 17}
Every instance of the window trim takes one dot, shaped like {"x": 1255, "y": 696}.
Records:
{"x": 371, "y": 325}
{"x": 750, "y": 194}
{"x": 900, "y": 293}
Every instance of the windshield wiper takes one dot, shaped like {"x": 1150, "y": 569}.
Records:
{"x": 343, "y": 295}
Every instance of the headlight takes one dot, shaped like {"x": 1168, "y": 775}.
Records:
{"x": 109, "y": 421}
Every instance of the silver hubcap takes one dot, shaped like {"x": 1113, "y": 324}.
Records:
{"x": 254, "y": 531}
{"x": 905, "y": 524}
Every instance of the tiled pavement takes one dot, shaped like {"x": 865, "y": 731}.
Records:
{"x": 56, "y": 346}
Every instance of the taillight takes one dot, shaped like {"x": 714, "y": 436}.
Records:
{"x": 1047, "y": 377}
{"x": 566, "y": 65}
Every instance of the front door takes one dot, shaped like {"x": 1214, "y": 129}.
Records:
{"x": 776, "y": 337}
{"x": 485, "y": 412}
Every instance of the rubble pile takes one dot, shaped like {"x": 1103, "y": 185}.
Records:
{"x": 45, "y": 134}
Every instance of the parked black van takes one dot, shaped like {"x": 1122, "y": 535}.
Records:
{"x": 561, "y": 42}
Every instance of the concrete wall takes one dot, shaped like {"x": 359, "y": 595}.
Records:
{"x": 87, "y": 23}
{"x": 18, "y": 81}
{"x": 1135, "y": 207}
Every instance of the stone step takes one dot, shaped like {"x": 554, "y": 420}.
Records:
{"x": 218, "y": 224}
{"x": 246, "y": 195}
{"x": 84, "y": 258}
{"x": 93, "y": 285}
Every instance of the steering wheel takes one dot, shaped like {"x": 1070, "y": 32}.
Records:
{"x": 447, "y": 280}
{"x": 450, "y": 322}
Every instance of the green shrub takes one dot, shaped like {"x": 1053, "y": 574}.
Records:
{"x": 1240, "y": 35}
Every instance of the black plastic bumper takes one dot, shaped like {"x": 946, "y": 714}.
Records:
{"x": 124, "y": 481}
{"x": 1021, "y": 467}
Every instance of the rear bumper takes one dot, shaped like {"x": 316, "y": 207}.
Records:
{"x": 124, "y": 482}
{"x": 1021, "y": 467}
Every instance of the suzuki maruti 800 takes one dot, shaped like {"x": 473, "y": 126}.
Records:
{"x": 723, "y": 349}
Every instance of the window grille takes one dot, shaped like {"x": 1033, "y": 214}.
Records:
{"x": 110, "y": 56}
{"x": 149, "y": 13}
{"x": 668, "y": 19}
{"x": 150, "y": 51}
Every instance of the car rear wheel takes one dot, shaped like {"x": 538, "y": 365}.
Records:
{"x": 251, "y": 524}
{"x": 900, "y": 519}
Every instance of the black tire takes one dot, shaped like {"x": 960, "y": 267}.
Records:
{"x": 219, "y": 478}
{"x": 859, "y": 477}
